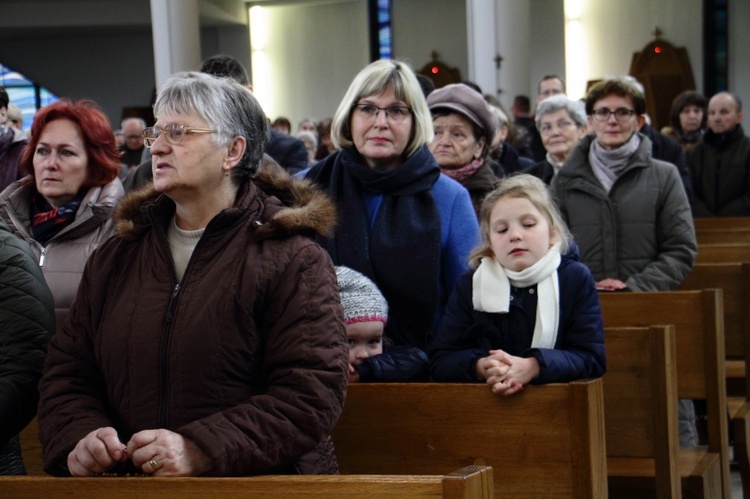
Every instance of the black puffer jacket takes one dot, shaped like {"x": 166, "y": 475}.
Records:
{"x": 27, "y": 321}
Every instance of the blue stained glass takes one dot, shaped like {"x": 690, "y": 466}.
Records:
{"x": 384, "y": 29}
{"x": 25, "y": 94}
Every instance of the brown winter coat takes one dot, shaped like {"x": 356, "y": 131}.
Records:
{"x": 247, "y": 357}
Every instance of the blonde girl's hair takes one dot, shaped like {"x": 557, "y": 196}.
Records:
{"x": 520, "y": 186}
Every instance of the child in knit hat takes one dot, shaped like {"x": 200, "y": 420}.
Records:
{"x": 365, "y": 315}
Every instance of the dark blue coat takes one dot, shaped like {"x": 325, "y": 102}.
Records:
{"x": 397, "y": 364}
{"x": 465, "y": 335}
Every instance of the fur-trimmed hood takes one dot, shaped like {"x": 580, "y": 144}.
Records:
{"x": 288, "y": 205}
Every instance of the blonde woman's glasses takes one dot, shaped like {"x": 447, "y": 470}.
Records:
{"x": 392, "y": 113}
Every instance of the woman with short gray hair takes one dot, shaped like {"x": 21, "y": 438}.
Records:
{"x": 207, "y": 337}
{"x": 561, "y": 123}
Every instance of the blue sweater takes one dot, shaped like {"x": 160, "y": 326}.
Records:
{"x": 465, "y": 335}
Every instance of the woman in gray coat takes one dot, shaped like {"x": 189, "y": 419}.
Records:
{"x": 63, "y": 208}
{"x": 628, "y": 212}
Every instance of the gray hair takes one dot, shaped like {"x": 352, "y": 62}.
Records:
{"x": 226, "y": 106}
{"x": 308, "y": 137}
{"x": 373, "y": 80}
{"x": 575, "y": 108}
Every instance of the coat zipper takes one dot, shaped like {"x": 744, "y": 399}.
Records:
{"x": 164, "y": 349}
{"x": 43, "y": 254}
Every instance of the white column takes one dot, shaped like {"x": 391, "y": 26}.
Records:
{"x": 176, "y": 33}
{"x": 512, "y": 26}
{"x": 480, "y": 30}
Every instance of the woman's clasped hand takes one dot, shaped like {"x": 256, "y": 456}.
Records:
{"x": 155, "y": 452}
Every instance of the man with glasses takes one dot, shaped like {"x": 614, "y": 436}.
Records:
{"x": 628, "y": 212}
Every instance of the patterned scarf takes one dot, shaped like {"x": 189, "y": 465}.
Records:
{"x": 460, "y": 175}
{"x": 47, "y": 222}
{"x": 491, "y": 292}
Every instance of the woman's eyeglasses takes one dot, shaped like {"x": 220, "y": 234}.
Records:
{"x": 173, "y": 133}
{"x": 621, "y": 114}
{"x": 392, "y": 113}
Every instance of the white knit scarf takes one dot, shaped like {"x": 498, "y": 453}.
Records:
{"x": 491, "y": 292}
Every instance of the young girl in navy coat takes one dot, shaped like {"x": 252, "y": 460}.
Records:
{"x": 529, "y": 311}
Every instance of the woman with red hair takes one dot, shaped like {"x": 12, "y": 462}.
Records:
{"x": 63, "y": 208}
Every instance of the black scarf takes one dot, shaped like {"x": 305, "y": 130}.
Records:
{"x": 401, "y": 253}
{"x": 689, "y": 138}
{"x": 47, "y": 222}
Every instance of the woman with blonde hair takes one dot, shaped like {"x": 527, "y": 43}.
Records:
{"x": 402, "y": 224}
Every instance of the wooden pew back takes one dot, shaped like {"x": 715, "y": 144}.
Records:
{"x": 723, "y": 252}
{"x": 733, "y": 278}
{"x": 640, "y": 405}
{"x": 546, "y": 441}
{"x": 741, "y": 236}
{"x": 720, "y": 223}
{"x": 699, "y": 330}
{"x": 472, "y": 482}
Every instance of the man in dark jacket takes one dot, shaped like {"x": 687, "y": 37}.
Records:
{"x": 12, "y": 145}
{"x": 666, "y": 149}
{"x": 720, "y": 162}
{"x": 27, "y": 321}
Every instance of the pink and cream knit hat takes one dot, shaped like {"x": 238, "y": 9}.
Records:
{"x": 360, "y": 297}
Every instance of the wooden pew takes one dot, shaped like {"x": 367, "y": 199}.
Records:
{"x": 640, "y": 409}
{"x": 467, "y": 483}
{"x": 723, "y": 252}
{"x": 734, "y": 280}
{"x": 699, "y": 328}
{"x": 720, "y": 223}
{"x": 544, "y": 442}
{"x": 719, "y": 236}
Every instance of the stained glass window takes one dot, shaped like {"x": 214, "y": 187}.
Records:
{"x": 25, "y": 94}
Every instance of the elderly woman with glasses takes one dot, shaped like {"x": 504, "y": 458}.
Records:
{"x": 207, "y": 337}
{"x": 561, "y": 123}
{"x": 63, "y": 208}
{"x": 402, "y": 224}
